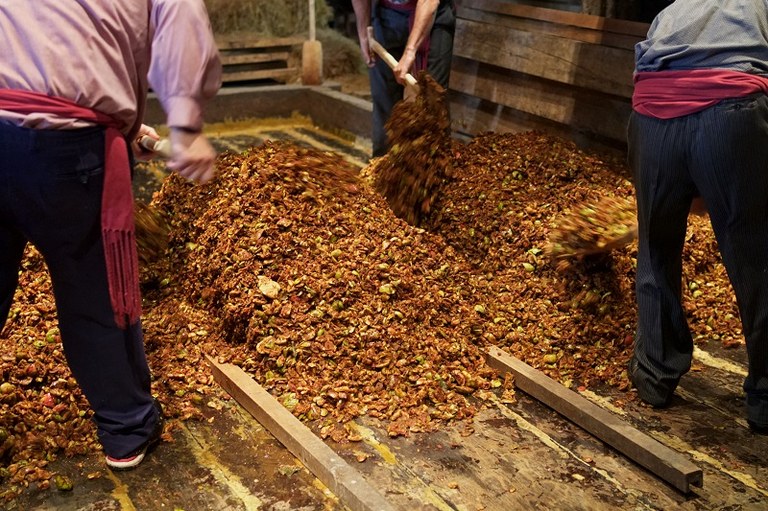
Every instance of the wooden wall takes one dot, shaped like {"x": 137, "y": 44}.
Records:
{"x": 518, "y": 67}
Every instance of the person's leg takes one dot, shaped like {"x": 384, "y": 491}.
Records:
{"x": 663, "y": 344}
{"x": 11, "y": 251}
{"x": 12, "y": 242}
{"x": 731, "y": 155}
{"x": 391, "y": 30}
{"x": 58, "y": 201}
{"x": 441, "y": 45}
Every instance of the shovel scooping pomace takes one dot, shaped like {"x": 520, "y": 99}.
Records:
{"x": 600, "y": 226}
{"x": 151, "y": 227}
{"x": 594, "y": 228}
{"x": 411, "y": 85}
{"x": 419, "y": 159}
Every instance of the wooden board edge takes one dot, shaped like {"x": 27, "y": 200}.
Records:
{"x": 228, "y": 59}
{"x": 585, "y": 35}
{"x": 278, "y": 74}
{"x": 332, "y": 470}
{"x": 666, "y": 463}
{"x": 577, "y": 19}
{"x": 247, "y": 41}
{"x": 566, "y": 61}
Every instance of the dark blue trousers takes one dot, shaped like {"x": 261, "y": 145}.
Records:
{"x": 722, "y": 154}
{"x": 50, "y": 195}
{"x": 391, "y": 29}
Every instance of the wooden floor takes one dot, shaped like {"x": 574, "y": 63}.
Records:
{"x": 526, "y": 456}
{"x": 518, "y": 456}
{"x": 521, "y": 456}
{"x": 229, "y": 463}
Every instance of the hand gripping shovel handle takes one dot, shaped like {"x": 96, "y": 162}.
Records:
{"x": 161, "y": 147}
{"x": 387, "y": 57}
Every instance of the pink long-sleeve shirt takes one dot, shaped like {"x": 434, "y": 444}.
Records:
{"x": 104, "y": 54}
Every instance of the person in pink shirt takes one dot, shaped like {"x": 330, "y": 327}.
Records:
{"x": 73, "y": 84}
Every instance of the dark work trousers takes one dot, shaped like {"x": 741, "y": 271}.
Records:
{"x": 50, "y": 195}
{"x": 722, "y": 154}
{"x": 391, "y": 29}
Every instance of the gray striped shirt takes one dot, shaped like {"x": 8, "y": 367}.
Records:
{"x": 707, "y": 34}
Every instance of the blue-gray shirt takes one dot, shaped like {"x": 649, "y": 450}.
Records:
{"x": 707, "y": 34}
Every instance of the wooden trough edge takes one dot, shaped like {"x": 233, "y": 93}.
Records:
{"x": 669, "y": 465}
{"x": 342, "y": 479}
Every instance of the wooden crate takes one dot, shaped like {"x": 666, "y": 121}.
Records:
{"x": 519, "y": 67}
{"x": 246, "y": 58}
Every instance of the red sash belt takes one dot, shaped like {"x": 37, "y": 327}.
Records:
{"x": 117, "y": 222}
{"x": 408, "y": 5}
{"x": 669, "y": 94}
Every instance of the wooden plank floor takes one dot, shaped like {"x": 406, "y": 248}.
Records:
{"x": 526, "y": 456}
{"x": 518, "y": 456}
{"x": 228, "y": 462}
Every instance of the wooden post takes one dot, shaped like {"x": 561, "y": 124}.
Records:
{"x": 312, "y": 54}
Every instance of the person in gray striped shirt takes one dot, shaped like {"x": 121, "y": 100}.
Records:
{"x": 699, "y": 127}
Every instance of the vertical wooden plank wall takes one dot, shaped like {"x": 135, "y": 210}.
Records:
{"x": 518, "y": 67}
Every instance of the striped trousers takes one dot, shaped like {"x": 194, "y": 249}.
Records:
{"x": 721, "y": 154}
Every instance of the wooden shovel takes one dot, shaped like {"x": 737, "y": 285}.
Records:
{"x": 312, "y": 54}
{"x": 594, "y": 228}
{"x": 151, "y": 226}
{"x": 162, "y": 146}
{"x": 412, "y": 86}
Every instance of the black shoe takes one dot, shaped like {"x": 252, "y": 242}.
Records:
{"x": 651, "y": 394}
{"x": 135, "y": 458}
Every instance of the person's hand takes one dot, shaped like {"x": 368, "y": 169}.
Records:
{"x": 140, "y": 152}
{"x": 365, "y": 48}
{"x": 404, "y": 65}
{"x": 192, "y": 156}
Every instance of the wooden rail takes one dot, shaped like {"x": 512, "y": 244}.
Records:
{"x": 520, "y": 67}
{"x": 246, "y": 58}
{"x": 667, "y": 464}
{"x": 343, "y": 480}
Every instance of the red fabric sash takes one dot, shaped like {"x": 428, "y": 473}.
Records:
{"x": 405, "y": 6}
{"x": 669, "y": 94}
{"x": 117, "y": 221}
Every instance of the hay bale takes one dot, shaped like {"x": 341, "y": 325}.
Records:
{"x": 263, "y": 17}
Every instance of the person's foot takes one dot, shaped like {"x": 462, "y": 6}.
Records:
{"x": 136, "y": 457}
{"x": 127, "y": 462}
{"x": 652, "y": 394}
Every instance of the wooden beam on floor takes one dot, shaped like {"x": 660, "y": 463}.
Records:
{"x": 669, "y": 465}
{"x": 344, "y": 481}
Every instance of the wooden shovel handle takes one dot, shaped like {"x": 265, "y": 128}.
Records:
{"x": 162, "y": 147}
{"x": 387, "y": 57}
